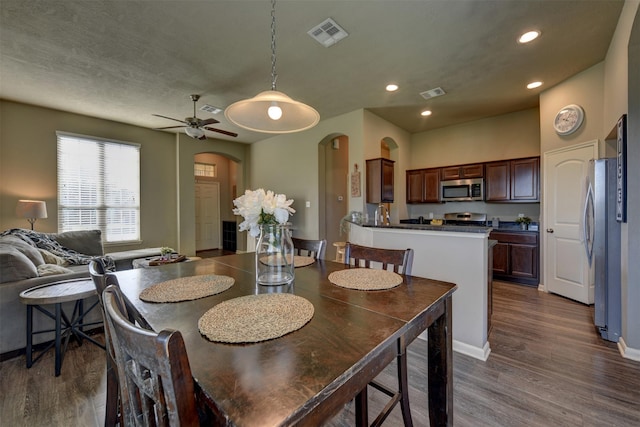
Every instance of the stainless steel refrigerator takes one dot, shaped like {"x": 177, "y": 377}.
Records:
{"x": 602, "y": 243}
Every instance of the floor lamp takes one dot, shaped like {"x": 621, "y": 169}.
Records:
{"x": 31, "y": 210}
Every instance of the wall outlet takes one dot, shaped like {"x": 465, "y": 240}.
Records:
{"x": 520, "y": 215}
{"x": 307, "y": 204}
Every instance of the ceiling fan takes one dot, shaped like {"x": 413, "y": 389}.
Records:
{"x": 194, "y": 126}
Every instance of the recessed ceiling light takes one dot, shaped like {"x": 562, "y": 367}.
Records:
{"x": 534, "y": 85}
{"x": 426, "y": 113}
{"x": 529, "y": 36}
{"x": 392, "y": 87}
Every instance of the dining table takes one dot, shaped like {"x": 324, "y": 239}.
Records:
{"x": 306, "y": 376}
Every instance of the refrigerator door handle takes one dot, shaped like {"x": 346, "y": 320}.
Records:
{"x": 587, "y": 223}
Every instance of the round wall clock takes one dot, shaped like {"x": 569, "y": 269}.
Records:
{"x": 568, "y": 119}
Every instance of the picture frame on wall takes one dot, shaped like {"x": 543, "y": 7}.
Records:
{"x": 621, "y": 170}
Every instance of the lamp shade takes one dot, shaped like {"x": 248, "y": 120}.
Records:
{"x": 253, "y": 114}
{"x": 196, "y": 133}
{"x": 31, "y": 209}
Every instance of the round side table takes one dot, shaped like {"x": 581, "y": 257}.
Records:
{"x": 55, "y": 294}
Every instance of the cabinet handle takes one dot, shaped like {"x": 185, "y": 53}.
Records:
{"x": 549, "y": 230}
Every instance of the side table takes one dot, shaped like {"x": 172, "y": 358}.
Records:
{"x": 57, "y": 293}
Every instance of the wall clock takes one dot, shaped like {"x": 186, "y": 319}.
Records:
{"x": 568, "y": 119}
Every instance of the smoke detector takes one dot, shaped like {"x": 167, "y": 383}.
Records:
{"x": 211, "y": 109}
{"x": 432, "y": 93}
{"x": 328, "y": 33}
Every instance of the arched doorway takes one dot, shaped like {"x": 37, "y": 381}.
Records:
{"x": 333, "y": 155}
{"x": 215, "y": 181}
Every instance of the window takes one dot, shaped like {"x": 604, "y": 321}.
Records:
{"x": 205, "y": 170}
{"x": 99, "y": 187}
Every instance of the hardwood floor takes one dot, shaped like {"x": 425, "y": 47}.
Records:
{"x": 548, "y": 367}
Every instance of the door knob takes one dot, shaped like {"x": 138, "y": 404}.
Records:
{"x": 549, "y": 230}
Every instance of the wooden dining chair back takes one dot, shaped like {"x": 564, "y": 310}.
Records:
{"x": 399, "y": 260}
{"x": 157, "y": 388}
{"x": 311, "y": 248}
{"x": 101, "y": 281}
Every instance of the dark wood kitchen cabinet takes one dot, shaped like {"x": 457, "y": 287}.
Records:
{"x": 379, "y": 181}
{"x": 513, "y": 180}
{"x": 462, "y": 172}
{"x": 423, "y": 186}
{"x": 516, "y": 257}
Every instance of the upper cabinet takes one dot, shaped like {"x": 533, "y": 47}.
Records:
{"x": 462, "y": 172}
{"x": 380, "y": 181}
{"x": 513, "y": 180}
{"x": 423, "y": 186}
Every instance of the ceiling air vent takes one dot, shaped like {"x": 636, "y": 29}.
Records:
{"x": 327, "y": 33}
{"x": 211, "y": 109}
{"x": 432, "y": 93}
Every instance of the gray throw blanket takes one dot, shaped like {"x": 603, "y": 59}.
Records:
{"x": 44, "y": 241}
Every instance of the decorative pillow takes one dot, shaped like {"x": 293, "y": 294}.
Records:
{"x": 29, "y": 251}
{"x": 14, "y": 265}
{"x": 50, "y": 258}
{"x": 51, "y": 269}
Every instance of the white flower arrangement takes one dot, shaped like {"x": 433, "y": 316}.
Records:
{"x": 262, "y": 207}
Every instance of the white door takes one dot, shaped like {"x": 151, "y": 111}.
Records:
{"x": 207, "y": 215}
{"x": 566, "y": 269}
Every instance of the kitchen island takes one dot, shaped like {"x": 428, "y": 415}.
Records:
{"x": 457, "y": 254}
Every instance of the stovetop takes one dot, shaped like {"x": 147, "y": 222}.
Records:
{"x": 465, "y": 218}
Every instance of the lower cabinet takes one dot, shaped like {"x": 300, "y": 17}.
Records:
{"x": 516, "y": 257}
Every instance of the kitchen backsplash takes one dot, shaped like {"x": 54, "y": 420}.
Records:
{"x": 504, "y": 211}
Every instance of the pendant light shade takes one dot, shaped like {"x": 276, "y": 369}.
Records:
{"x": 272, "y": 111}
{"x": 260, "y": 113}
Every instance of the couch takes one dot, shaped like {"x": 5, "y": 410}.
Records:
{"x": 25, "y": 263}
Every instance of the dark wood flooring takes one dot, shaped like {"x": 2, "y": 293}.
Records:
{"x": 548, "y": 367}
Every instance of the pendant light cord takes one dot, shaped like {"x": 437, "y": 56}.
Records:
{"x": 274, "y": 76}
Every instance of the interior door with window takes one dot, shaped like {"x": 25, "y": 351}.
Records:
{"x": 567, "y": 270}
{"x": 207, "y": 215}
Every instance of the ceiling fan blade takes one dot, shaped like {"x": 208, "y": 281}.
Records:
{"x": 170, "y": 118}
{"x": 202, "y": 137}
{"x": 225, "y": 132}
{"x": 207, "y": 122}
{"x": 168, "y": 127}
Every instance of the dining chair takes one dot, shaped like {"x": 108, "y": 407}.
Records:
{"x": 401, "y": 262}
{"x": 312, "y": 248}
{"x": 154, "y": 374}
{"x": 101, "y": 282}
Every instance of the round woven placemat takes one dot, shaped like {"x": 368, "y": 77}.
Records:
{"x": 187, "y": 288}
{"x": 278, "y": 260}
{"x": 255, "y": 318}
{"x": 365, "y": 279}
{"x": 302, "y": 261}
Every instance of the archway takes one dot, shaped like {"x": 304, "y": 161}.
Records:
{"x": 333, "y": 168}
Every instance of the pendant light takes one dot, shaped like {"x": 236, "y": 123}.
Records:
{"x": 272, "y": 111}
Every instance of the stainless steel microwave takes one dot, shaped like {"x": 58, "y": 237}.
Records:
{"x": 460, "y": 190}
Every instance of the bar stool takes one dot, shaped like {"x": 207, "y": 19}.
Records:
{"x": 340, "y": 251}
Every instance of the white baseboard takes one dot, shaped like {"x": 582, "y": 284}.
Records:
{"x": 469, "y": 350}
{"x": 473, "y": 351}
{"x": 628, "y": 352}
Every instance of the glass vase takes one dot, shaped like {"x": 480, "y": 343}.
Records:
{"x": 274, "y": 255}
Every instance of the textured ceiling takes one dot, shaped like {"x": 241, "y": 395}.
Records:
{"x": 124, "y": 60}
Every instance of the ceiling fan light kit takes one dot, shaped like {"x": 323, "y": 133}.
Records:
{"x": 272, "y": 111}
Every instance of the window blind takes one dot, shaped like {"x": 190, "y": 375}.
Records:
{"x": 99, "y": 187}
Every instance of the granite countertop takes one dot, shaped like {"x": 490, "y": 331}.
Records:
{"x": 504, "y": 226}
{"x": 428, "y": 227}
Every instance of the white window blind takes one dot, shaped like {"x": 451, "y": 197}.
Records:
{"x": 99, "y": 187}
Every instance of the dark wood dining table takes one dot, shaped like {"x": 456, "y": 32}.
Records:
{"x": 308, "y": 375}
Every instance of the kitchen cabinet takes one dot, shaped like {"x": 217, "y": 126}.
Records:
{"x": 423, "y": 186}
{"x": 512, "y": 180}
{"x": 516, "y": 257}
{"x": 462, "y": 172}
{"x": 379, "y": 181}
